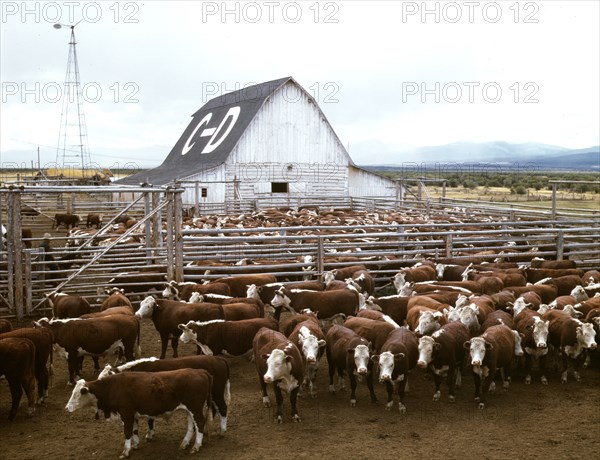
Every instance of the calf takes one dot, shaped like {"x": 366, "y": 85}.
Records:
{"x": 215, "y": 365}
{"x": 309, "y": 338}
{"x": 325, "y": 304}
{"x": 42, "y": 340}
{"x": 571, "y": 337}
{"x": 397, "y": 358}
{"x": 151, "y": 394}
{"x": 94, "y": 337}
{"x": 278, "y": 361}
{"x": 67, "y": 306}
{"x": 534, "y": 332}
{"x": 231, "y": 338}
{"x": 17, "y": 363}
{"x": 492, "y": 350}
{"x": 443, "y": 354}
{"x": 348, "y": 352}
{"x": 167, "y": 315}
{"x": 68, "y": 220}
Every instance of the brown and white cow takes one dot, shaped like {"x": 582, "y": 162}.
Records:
{"x": 67, "y": 306}
{"x": 348, "y": 352}
{"x": 492, "y": 350}
{"x": 131, "y": 395}
{"x": 266, "y": 292}
{"x": 310, "y": 340}
{"x": 94, "y": 337}
{"x": 17, "y": 365}
{"x": 116, "y": 298}
{"x": 215, "y": 365}
{"x": 534, "y": 332}
{"x": 42, "y": 340}
{"x": 231, "y": 338}
{"x": 443, "y": 354}
{"x": 362, "y": 281}
{"x": 324, "y": 303}
{"x": 424, "y": 320}
{"x": 278, "y": 361}
{"x": 167, "y": 315}
{"x": 398, "y": 356}
{"x": 571, "y": 337}
{"x": 184, "y": 290}
{"x": 374, "y": 331}
{"x": 238, "y": 285}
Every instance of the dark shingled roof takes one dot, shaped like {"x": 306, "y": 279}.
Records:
{"x": 200, "y": 140}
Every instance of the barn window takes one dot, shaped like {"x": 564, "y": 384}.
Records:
{"x": 204, "y": 192}
{"x": 279, "y": 187}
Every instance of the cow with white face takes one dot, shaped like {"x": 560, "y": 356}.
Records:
{"x": 518, "y": 306}
{"x": 278, "y": 361}
{"x": 443, "y": 353}
{"x": 348, "y": 353}
{"x": 468, "y": 316}
{"x": 309, "y": 338}
{"x": 572, "y": 338}
{"x": 429, "y": 322}
{"x": 534, "y": 332}
{"x": 491, "y": 351}
{"x": 397, "y": 358}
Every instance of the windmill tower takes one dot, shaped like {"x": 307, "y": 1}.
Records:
{"x": 72, "y": 150}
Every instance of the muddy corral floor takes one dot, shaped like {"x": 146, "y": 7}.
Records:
{"x": 529, "y": 421}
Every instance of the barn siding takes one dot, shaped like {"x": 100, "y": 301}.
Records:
{"x": 363, "y": 183}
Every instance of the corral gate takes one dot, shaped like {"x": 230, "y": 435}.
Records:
{"x": 151, "y": 241}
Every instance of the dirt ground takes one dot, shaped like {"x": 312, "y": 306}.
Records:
{"x": 533, "y": 422}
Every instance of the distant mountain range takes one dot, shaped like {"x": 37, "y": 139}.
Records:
{"x": 542, "y": 156}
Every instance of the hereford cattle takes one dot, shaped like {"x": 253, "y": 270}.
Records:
{"x": 215, "y": 365}
{"x": 238, "y": 285}
{"x": 498, "y": 317}
{"x": 466, "y": 315}
{"x": 42, "y": 340}
{"x": 571, "y": 337}
{"x": 310, "y": 340}
{"x": 67, "y": 306}
{"x": 266, "y": 292}
{"x": 588, "y": 305}
{"x": 416, "y": 274}
{"x": 450, "y": 272}
{"x": 93, "y": 220}
{"x": 398, "y": 356}
{"x": 183, "y": 291}
{"x": 5, "y": 325}
{"x": 492, "y": 350}
{"x": 377, "y": 316}
{"x": 136, "y": 283}
{"x": 231, "y": 338}
{"x": 324, "y": 303}
{"x": 537, "y": 274}
{"x": 348, "y": 352}
{"x": 395, "y": 306}
{"x": 109, "y": 312}
{"x": 93, "y": 337}
{"x": 342, "y": 274}
{"x": 536, "y": 262}
{"x": 167, "y": 315}
{"x": 17, "y": 365}
{"x": 502, "y": 299}
{"x": 226, "y": 300}
{"x": 116, "y": 298}
{"x": 376, "y": 332}
{"x": 424, "y": 320}
{"x": 362, "y": 281}
{"x": 443, "y": 354}
{"x": 278, "y": 361}
{"x": 534, "y": 332}
{"x": 68, "y": 220}
{"x": 331, "y": 283}
{"x": 591, "y": 277}
{"x": 150, "y": 394}
{"x": 576, "y": 296}
{"x": 547, "y": 292}
{"x": 564, "y": 284}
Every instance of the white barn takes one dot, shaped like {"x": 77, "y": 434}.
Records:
{"x": 269, "y": 142}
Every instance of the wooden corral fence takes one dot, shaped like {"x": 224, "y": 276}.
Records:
{"x": 87, "y": 260}
{"x": 158, "y": 247}
{"x": 382, "y": 248}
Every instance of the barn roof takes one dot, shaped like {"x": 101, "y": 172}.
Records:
{"x": 211, "y": 135}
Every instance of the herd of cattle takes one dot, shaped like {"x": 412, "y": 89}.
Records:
{"x": 444, "y": 318}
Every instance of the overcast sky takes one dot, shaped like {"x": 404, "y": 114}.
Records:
{"x": 386, "y": 74}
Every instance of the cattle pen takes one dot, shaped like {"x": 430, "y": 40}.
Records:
{"x": 297, "y": 239}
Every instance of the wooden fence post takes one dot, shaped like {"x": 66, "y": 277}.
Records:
{"x": 449, "y": 245}
{"x": 560, "y": 245}
{"x": 178, "y": 224}
{"x": 148, "y": 229}
{"x": 15, "y": 254}
{"x": 169, "y": 196}
{"x": 320, "y": 258}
